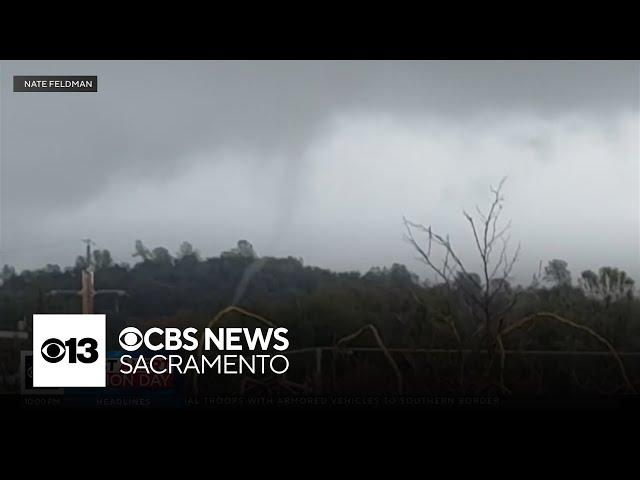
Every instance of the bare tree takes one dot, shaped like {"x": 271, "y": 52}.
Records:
{"x": 480, "y": 292}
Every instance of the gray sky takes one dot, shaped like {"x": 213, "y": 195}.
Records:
{"x": 321, "y": 160}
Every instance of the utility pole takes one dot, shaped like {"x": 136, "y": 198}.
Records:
{"x": 89, "y": 242}
{"x": 88, "y": 292}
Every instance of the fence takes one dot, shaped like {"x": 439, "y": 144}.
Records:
{"x": 321, "y": 368}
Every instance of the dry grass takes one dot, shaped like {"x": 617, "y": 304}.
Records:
{"x": 382, "y": 347}
{"x": 216, "y": 319}
{"x": 537, "y": 316}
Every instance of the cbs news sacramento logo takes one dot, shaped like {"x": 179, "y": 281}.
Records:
{"x": 69, "y": 350}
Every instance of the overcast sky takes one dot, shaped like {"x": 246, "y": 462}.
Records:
{"x": 321, "y": 160}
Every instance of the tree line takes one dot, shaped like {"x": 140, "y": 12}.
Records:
{"x": 462, "y": 309}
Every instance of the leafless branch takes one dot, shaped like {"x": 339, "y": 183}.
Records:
{"x": 486, "y": 230}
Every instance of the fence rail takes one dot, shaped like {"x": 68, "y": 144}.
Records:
{"x": 604, "y": 353}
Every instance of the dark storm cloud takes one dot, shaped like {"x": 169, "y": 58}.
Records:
{"x": 148, "y": 115}
{"x": 151, "y": 122}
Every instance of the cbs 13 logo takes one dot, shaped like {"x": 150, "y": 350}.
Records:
{"x": 84, "y": 350}
{"x": 69, "y": 350}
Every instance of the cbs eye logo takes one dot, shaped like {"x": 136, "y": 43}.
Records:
{"x": 130, "y": 339}
{"x": 54, "y": 350}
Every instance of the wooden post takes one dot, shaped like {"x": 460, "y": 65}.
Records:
{"x": 87, "y": 291}
{"x": 318, "y": 373}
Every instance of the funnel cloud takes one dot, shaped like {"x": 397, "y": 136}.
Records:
{"x": 321, "y": 160}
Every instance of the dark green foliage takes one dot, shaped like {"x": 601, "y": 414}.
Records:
{"x": 319, "y": 307}
{"x": 322, "y": 305}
